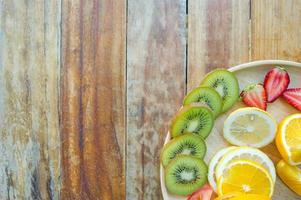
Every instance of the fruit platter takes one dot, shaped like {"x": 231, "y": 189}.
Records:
{"x": 237, "y": 136}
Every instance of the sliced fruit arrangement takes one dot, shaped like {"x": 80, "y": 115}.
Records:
{"x": 193, "y": 118}
{"x": 230, "y": 173}
{"x": 207, "y": 96}
{"x": 288, "y": 139}
{"x": 185, "y": 171}
{"x": 185, "y": 174}
{"x": 250, "y": 127}
{"x": 187, "y": 144}
{"x": 290, "y": 175}
{"x": 276, "y": 82}
{"x": 255, "y": 96}
{"x": 293, "y": 97}
{"x": 226, "y": 84}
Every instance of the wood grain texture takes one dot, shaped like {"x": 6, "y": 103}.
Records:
{"x": 218, "y": 36}
{"x": 63, "y": 126}
{"x": 29, "y": 86}
{"x": 276, "y": 30}
{"x": 155, "y": 87}
{"x": 93, "y": 99}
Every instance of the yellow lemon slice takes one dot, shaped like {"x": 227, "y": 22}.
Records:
{"x": 288, "y": 139}
{"x": 246, "y": 153}
{"x": 213, "y": 163}
{"x": 235, "y": 179}
{"x": 290, "y": 175}
{"x": 250, "y": 127}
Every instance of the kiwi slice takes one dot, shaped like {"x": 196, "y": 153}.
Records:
{"x": 226, "y": 84}
{"x": 187, "y": 144}
{"x": 207, "y": 96}
{"x": 194, "y": 119}
{"x": 185, "y": 174}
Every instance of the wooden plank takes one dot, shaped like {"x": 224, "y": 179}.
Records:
{"x": 276, "y": 30}
{"x": 29, "y": 86}
{"x": 155, "y": 87}
{"x": 218, "y": 36}
{"x": 93, "y": 99}
{"x": 276, "y": 35}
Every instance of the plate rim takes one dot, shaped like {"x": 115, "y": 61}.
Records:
{"x": 232, "y": 69}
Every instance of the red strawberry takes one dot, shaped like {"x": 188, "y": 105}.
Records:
{"x": 255, "y": 96}
{"x": 293, "y": 97}
{"x": 205, "y": 193}
{"x": 276, "y": 82}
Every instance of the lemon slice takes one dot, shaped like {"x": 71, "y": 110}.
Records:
{"x": 235, "y": 179}
{"x": 246, "y": 153}
{"x": 213, "y": 163}
{"x": 288, "y": 139}
{"x": 250, "y": 127}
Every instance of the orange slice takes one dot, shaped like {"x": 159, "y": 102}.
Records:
{"x": 288, "y": 139}
{"x": 235, "y": 179}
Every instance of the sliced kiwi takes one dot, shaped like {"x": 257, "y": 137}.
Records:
{"x": 187, "y": 144}
{"x": 226, "y": 84}
{"x": 207, "y": 96}
{"x": 185, "y": 174}
{"x": 194, "y": 119}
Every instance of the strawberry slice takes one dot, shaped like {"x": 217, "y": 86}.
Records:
{"x": 293, "y": 97}
{"x": 255, "y": 96}
{"x": 205, "y": 193}
{"x": 276, "y": 82}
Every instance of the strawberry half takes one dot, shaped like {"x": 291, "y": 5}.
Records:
{"x": 255, "y": 96}
{"x": 205, "y": 193}
{"x": 293, "y": 97}
{"x": 276, "y": 82}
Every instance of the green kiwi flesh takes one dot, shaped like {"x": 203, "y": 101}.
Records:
{"x": 207, "y": 96}
{"x": 194, "y": 119}
{"x": 187, "y": 144}
{"x": 226, "y": 84}
{"x": 185, "y": 174}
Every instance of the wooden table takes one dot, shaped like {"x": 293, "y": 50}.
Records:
{"x": 88, "y": 88}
